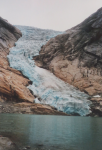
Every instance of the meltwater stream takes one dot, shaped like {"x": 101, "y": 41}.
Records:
{"x": 46, "y": 86}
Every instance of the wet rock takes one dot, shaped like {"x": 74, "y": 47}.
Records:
{"x": 28, "y": 147}
{"x": 7, "y": 144}
{"x": 24, "y": 148}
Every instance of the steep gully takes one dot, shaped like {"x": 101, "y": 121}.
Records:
{"x": 46, "y": 87}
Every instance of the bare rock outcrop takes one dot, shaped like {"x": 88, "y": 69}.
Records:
{"x": 76, "y": 57}
{"x": 12, "y": 82}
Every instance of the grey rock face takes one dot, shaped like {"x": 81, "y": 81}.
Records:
{"x": 83, "y": 41}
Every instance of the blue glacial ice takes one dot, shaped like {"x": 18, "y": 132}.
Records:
{"x": 47, "y": 88}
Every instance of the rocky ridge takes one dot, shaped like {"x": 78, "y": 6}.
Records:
{"x": 76, "y": 57}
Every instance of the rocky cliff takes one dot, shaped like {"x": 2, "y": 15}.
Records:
{"x": 12, "y": 82}
{"x": 76, "y": 57}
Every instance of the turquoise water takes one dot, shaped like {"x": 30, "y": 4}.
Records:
{"x": 53, "y": 132}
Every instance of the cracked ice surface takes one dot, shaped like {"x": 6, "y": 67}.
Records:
{"x": 47, "y": 87}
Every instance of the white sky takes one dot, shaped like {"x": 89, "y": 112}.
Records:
{"x": 48, "y": 14}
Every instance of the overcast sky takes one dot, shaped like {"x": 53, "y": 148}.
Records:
{"x": 48, "y": 14}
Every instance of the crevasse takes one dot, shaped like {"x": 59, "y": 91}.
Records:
{"x": 46, "y": 87}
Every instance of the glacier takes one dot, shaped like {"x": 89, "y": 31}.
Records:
{"x": 46, "y": 87}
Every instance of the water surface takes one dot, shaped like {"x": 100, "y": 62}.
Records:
{"x": 53, "y": 132}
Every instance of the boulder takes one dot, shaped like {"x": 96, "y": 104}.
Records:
{"x": 7, "y": 144}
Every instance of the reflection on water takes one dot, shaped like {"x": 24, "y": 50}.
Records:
{"x": 53, "y": 132}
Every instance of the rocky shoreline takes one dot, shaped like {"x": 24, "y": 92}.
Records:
{"x": 13, "y": 107}
{"x": 27, "y": 108}
{"x": 7, "y": 144}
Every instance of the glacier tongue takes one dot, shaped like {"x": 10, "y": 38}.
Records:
{"x": 46, "y": 87}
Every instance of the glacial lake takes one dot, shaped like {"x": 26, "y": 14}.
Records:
{"x": 45, "y": 132}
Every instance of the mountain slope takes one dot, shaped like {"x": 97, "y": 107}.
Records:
{"x": 76, "y": 57}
